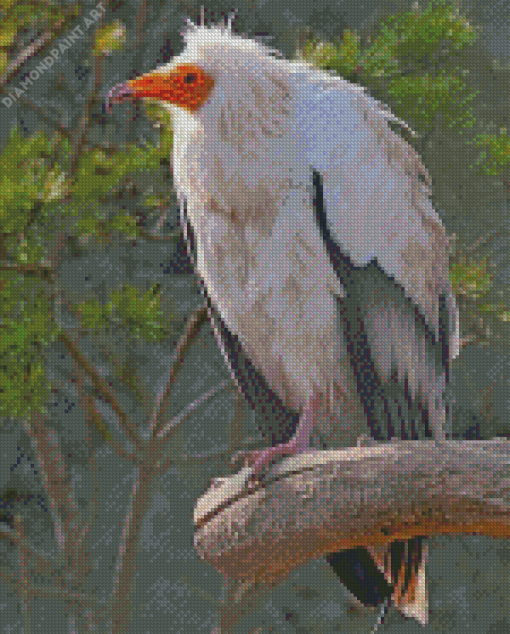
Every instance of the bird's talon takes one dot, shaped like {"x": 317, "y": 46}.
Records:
{"x": 240, "y": 455}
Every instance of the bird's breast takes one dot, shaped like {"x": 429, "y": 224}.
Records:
{"x": 276, "y": 290}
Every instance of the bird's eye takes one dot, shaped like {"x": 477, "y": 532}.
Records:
{"x": 190, "y": 78}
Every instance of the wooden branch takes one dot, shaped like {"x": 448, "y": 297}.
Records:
{"x": 326, "y": 501}
{"x": 196, "y": 322}
{"x": 36, "y": 46}
{"x": 104, "y": 390}
{"x": 44, "y": 272}
{"x": 92, "y": 99}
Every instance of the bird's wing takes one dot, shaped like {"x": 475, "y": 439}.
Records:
{"x": 387, "y": 245}
{"x": 376, "y": 191}
{"x": 398, "y": 319}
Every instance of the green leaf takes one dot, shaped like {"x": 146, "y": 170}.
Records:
{"x": 470, "y": 278}
{"x": 496, "y": 156}
{"x": 109, "y": 38}
{"x": 27, "y": 328}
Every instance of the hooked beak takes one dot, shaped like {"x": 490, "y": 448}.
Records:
{"x": 184, "y": 85}
{"x": 118, "y": 94}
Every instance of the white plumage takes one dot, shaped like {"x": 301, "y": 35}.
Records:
{"x": 252, "y": 132}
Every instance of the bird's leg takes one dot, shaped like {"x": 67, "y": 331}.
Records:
{"x": 298, "y": 444}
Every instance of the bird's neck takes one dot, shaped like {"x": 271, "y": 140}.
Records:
{"x": 246, "y": 185}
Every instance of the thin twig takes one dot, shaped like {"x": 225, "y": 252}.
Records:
{"x": 27, "y": 269}
{"x": 163, "y": 401}
{"x": 128, "y": 548}
{"x": 54, "y": 475}
{"x": 91, "y": 102}
{"x": 55, "y": 124}
{"x": 101, "y": 386}
{"x": 189, "y": 409}
{"x": 140, "y": 21}
{"x": 36, "y": 47}
{"x": 481, "y": 240}
{"x": 92, "y": 415}
{"x": 124, "y": 372}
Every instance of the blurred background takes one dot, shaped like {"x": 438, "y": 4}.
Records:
{"x": 97, "y": 296}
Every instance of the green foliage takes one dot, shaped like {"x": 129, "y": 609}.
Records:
{"x": 482, "y": 312}
{"x": 499, "y": 310}
{"x": 97, "y": 177}
{"x": 496, "y": 154}
{"x": 139, "y": 313}
{"x": 408, "y": 42}
{"x": 26, "y": 179}
{"x": 402, "y": 63}
{"x": 423, "y": 97}
{"x": 27, "y": 328}
{"x": 98, "y": 174}
{"x": 93, "y": 315}
{"x": 38, "y": 197}
{"x": 109, "y": 38}
{"x": 21, "y": 16}
{"x": 470, "y": 277}
{"x": 24, "y": 14}
{"x": 34, "y": 187}
{"x": 35, "y": 191}
{"x": 343, "y": 58}
{"x": 418, "y": 36}
{"x": 160, "y": 116}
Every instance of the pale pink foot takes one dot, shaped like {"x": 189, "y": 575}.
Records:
{"x": 298, "y": 444}
{"x": 264, "y": 457}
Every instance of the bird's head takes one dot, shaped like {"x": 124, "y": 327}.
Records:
{"x": 230, "y": 100}
{"x": 185, "y": 85}
{"x": 218, "y": 69}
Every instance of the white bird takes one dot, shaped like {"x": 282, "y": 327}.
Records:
{"x": 321, "y": 253}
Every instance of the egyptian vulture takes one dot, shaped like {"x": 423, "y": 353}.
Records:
{"x": 323, "y": 259}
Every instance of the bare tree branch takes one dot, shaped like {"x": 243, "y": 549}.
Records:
{"x": 35, "y": 47}
{"x": 103, "y": 389}
{"x": 60, "y": 127}
{"x": 92, "y": 100}
{"x": 163, "y": 403}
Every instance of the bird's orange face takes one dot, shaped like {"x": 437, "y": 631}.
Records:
{"x": 185, "y": 85}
